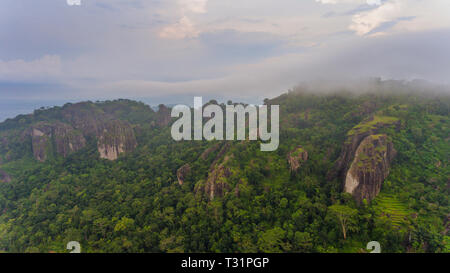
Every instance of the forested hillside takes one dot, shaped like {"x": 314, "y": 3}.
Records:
{"x": 350, "y": 169}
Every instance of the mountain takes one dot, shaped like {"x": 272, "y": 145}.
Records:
{"x": 351, "y": 168}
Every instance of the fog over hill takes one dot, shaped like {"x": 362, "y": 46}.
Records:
{"x": 10, "y": 108}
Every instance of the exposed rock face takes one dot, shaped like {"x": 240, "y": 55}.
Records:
{"x": 182, "y": 173}
{"x": 216, "y": 184}
{"x": 365, "y": 158}
{"x": 307, "y": 114}
{"x": 109, "y": 127}
{"x": 67, "y": 139}
{"x": 41, "y": 141}
{"x": 237, "y": 191}
{"x": 296, "y": 158}
{"x": 163, "y": 117}
{"x": 115, "y": 138}
{"x": 84, "y": 117}
{"x": 369, "y": 127}
{"x": 369, "y": 167}
{"x": 80, "y": 121}
{"x": 56, "y": 137}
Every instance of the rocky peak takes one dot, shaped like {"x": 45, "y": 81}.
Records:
{"x": 56, "y": 137}
{"x": 115, "y": 137}
{"x": 163, "y": 116}
{"x": 369, "y": 168}
{"x": 296, "y": 158}
{"x": 77, "y": 122}
{"x": 84, "y": 116}
{"x": 216, "y": 184}
{"x": 40, "y": 139}
{"x": 357, "y": 158}
{"x": 183, "y": 172}
{"x": 370, "y": 126}
{"x": 67, "y": 139}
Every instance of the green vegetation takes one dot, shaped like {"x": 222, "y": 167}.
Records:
{"x": 298, "y": 151}
{"x": 345, "y": 216}
{"x": 386, "y": 205}
{"x": 135, "y": 203}
{"x": 372, "y": 123}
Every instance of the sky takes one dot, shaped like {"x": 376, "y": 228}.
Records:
{"x": 171, "y": 50}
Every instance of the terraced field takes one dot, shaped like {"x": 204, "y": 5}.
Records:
{"x": 389, "y": 206}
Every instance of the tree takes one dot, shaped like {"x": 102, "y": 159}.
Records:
{"x": 303, "y": 241}
{"x": 270, "y": 241}
{"x": 124, "y": 224}
{"x": 345, "y": 216}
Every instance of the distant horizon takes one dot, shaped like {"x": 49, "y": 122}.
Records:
{"x": 11, "y": 108}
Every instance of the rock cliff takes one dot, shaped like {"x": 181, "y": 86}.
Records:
{"x": 114, "y": 138}
{"x": 296, "y": 158}
{"x": 369, "y": 168}
{"x": 79, "y": 122}
{"x": 163, "y": 117}
{"x": 216, "y": 184}
{"x": 55, "y": 139}
{"x": 357, "y": 153}
{"x": 182, "y": 173}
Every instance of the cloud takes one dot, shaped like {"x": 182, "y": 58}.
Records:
{"x": 402, "y": 16}
{"x": 365, "y": 22}
{"x": 37, "y": 70}
{"x": 369, "y": 2}
{"x": 195, "y": 6}
{"x": 184, "y": 28}
{"x": 407, "y": 56}
{"x": 232, "y": 48}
